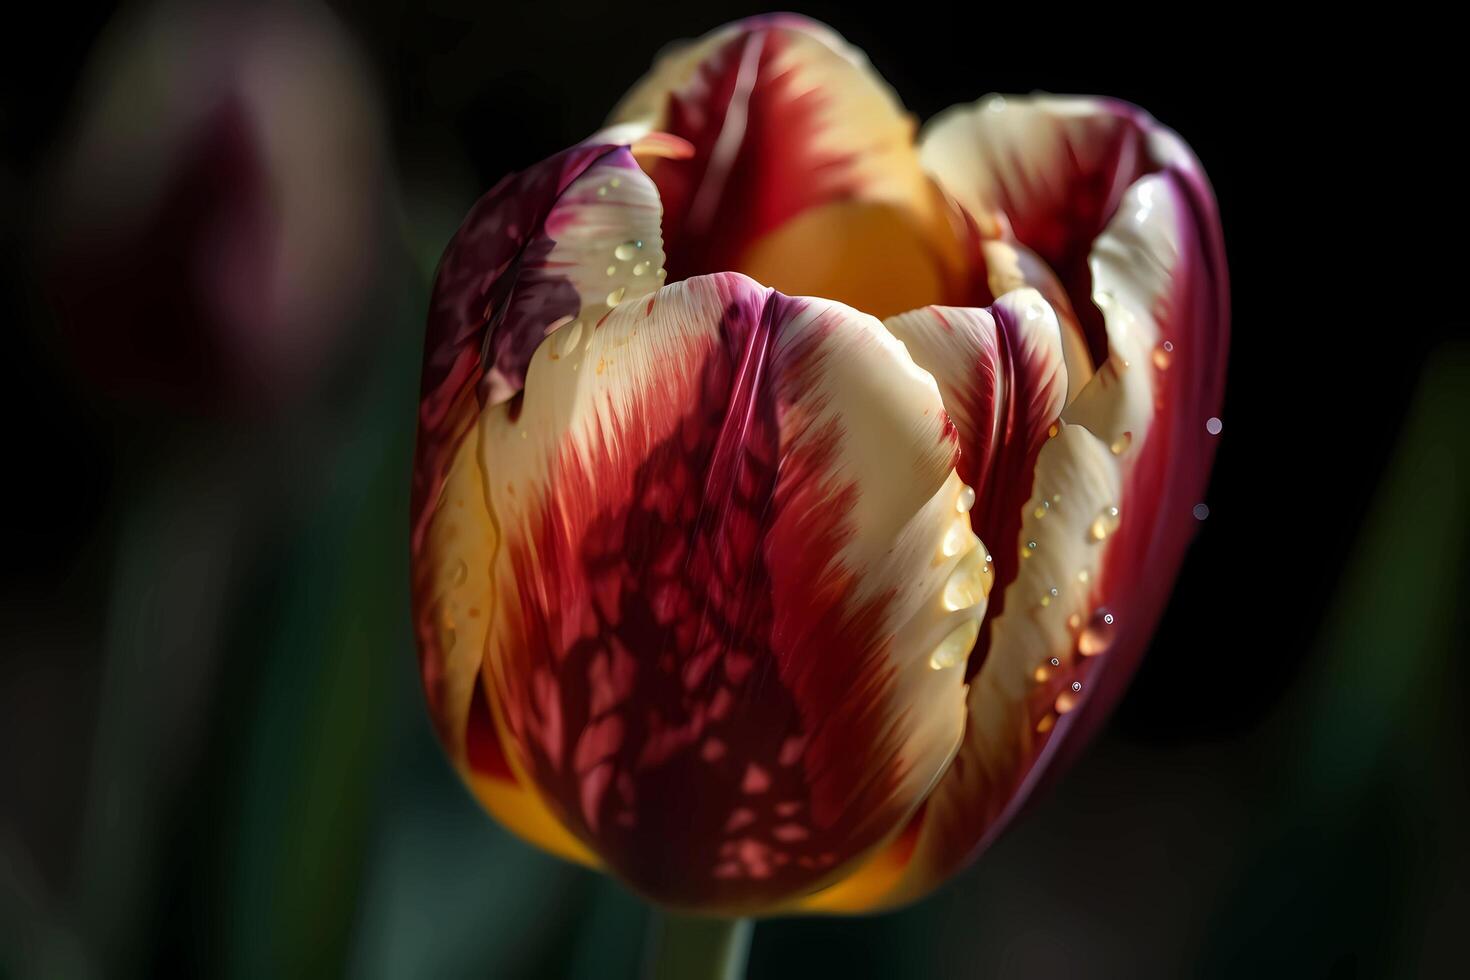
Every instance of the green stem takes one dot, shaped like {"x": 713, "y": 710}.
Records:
{"x": 685, "y": 947}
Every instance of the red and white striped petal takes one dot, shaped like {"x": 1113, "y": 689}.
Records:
{"x": 733, "y": 571}
{"x": 804, "y": 172}
{"x": 1108, "y": 514}
{"x": 1003, "y": 379}
{"x": 1048, "y": 172}
{"x": 563, "y": 240}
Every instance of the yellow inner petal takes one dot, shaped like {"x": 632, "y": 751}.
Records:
{"x": 875, "y": 257}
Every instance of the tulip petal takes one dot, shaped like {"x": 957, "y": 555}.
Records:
{"x": 1003, "y": 379}
{"x": 1048, "y": 172}
{"x": 804, "y": 172}
{"x": 567, "y": 238}
{"x": 1109, "y": 515}
{"x": 729, "y": 529}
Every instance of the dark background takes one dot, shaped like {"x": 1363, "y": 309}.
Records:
{"x": 213, "y": 758}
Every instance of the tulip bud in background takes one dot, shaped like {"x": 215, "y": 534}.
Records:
{"x": 762, "y": 603}
{"x": 214, "y": 226}
{"x": 217, "y": 212}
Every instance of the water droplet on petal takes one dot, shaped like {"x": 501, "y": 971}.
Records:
{"x": 965, "y": 500}
{"x": 625, "y": 251}
{"x": 612, "y": 270}
{"x": 1105, "y": 523}
{"x": 955, "y": 537}
{"x": 1120, "y": 445}
{"x": 616, "y": 296}
{"x": 639, "y": 268}
{"x": 1213, "y": 426}
{"x": 1028, "y": 549}
{"x": 1056, "y": 662}
{"x": 1201, "y": 511}
{"x": 1097, "y": 636}
{"x": 662, "y": 273}
{"x": 1161, "y": 355}
{"x": 955, "y": 647}
{"x": 969, "y": 583}
{"x": 1041, "y": 510}
{"x": 568, "y": 338}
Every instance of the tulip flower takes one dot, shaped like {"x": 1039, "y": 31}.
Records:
{"x": 794, "y": 495}
{"x": 216, "y": 214}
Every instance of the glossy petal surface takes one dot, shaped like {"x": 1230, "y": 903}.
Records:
{"x": 804, "y": 173}
{"x": 1108, "y": 514}
{"x": 559, "y": 243}
{"x": 702, "y": 582}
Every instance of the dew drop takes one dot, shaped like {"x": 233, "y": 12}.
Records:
{"x": 1201, "y": 511}
{"x": 954, "y": 538}
{"x": 1120, "y": 445}
{"x": 626, "y": 251}
{"x": 639, "y": 268}
{"x": 661, "y": 274}
{"x": 1028, "y": 549}
{"x": 1083, "y": 576}
{"x": 955, "y": 647}
{"x": 616, "y": 296}
{"x": 1161, "y": 356}
{"x": 965, "y": 500}
{"x": 1097, "y": 635}
{"x": 612, "y": 270}
{"x": 969, "y": 583}
{"x": 1041, "y": 510}
{"x": 1053, "y": 592}
{"x": 1056, "y": 662}
{"x": 616, "y": 181}
{"x": 1105, "y": 523}
{"x": 568, "y": 338}
{"x": 1213, "y": 426}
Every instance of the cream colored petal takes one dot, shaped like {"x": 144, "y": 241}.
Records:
{"x": 736, "y": 588}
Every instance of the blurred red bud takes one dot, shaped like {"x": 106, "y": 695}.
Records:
{"x": 216, "y": 219}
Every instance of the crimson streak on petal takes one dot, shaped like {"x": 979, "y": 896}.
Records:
{"x": 478, "y": 324}
{"x": 689, "y": 676}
